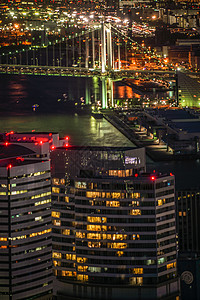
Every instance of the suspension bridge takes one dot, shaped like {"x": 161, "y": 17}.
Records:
{"x": 100, "y": 51}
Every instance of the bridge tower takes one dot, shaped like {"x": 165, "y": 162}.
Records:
{"x": 103, "y": 48}
{"x": 106, "y": 64}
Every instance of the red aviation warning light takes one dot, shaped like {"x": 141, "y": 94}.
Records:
{"x": 20, "y": 158}
{"x": 153, "y": 178}
{"x": 9, "y": 166}
{"x": 136, "y": 175}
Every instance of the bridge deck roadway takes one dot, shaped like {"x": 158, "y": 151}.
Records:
{"x": 77, "y": 72}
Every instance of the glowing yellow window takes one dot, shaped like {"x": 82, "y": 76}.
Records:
{"x": 82, "y": 268}
{"x": 113, "y": 203}
{"x": 139, "y": 280}
{"x": 56, "y": 263}
{"x": 93, "y": 194}
{"x": 105, "y": 236}
{"x": 135, "y": 203}
{"x": 57, "y": 255}
{"x": 136, "y": 236}
{"x": 116, "y": 195}
{"x": 96, "y": 236}
{"x": 119, "y": 236}
{"x": 120, "y": 253}
{"x": 62, "y": 181}
{"x": 40, "y": 232}
{"x": 66, "y": 231}
{"x": 67, "y": 199}
{"x": 94, "y": 219}
{"x": 82, "y": 277}
{"x": 55, "y": 181}
{"x": 135, "y": 212}
{"x": 55, "y": 190}
{"x": 55, "y": 214}
{"x": 80, "y": 234}
{"x": 81, "y": 259}
{"x": 94, "y": 227}
{"x": 137, "y": 271}
{"x": 136, "y": 280}
{"x": 2, "y": 239}
{"x": 94, "y": 244}
{"x": 161, "y": 202}
{"x": 117, "y": 245}
{"x": 68, "y": 256}
{"x": 57, "y": 222}
{"x": 170, "y": 266}
{"x": 135, "y": 195}
{"x": 68, "y": 273}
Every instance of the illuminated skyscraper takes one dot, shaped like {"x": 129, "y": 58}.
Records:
{"x": 114, "y": 233}
{"x": 25, "y": 216}
{"x": 25, "y": 225}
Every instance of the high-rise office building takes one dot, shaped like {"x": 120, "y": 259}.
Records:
{"x": 25, "y": 215}
{"x": 114, "y": 233}
{"x": 25, "y": 225}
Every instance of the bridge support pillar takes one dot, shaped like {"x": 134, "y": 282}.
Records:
{"x": 103, "y": 48}
{"x": 104, "y": 92}
{"x": 87, "y": 51}
{"x": 176, "y": 89}
{"x": 95, "y": 83}
{"x": 93, "y": 50}
{"x": 87, "y": 92}
{"x": 109, "y": 45}
{"x": 110, "y": 92}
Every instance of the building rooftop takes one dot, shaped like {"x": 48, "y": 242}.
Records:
{"x": 97, "y": 148}
{"x": 188, "y": 126}
{"x": 175, "y": 114}
{"x": 16, "y": 162}
{"x": 8, "y": 150}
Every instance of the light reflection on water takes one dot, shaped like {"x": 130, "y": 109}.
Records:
{"x": 124, "y": 92}
{"x": 82, "y": 130}
{"x": 19, "y": 92}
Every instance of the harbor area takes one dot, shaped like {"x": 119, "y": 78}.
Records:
{"x": 166, "y": 134}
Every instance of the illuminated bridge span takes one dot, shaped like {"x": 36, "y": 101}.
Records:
{"x": 101, "y": 51}
{"x": 79, "y": 72}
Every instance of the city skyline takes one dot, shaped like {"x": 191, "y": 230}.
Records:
{"x": 99, "y": 150}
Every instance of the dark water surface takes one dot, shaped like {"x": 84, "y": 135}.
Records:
{"x": 19, "y": 92}
{"x": 82, "y": 130}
